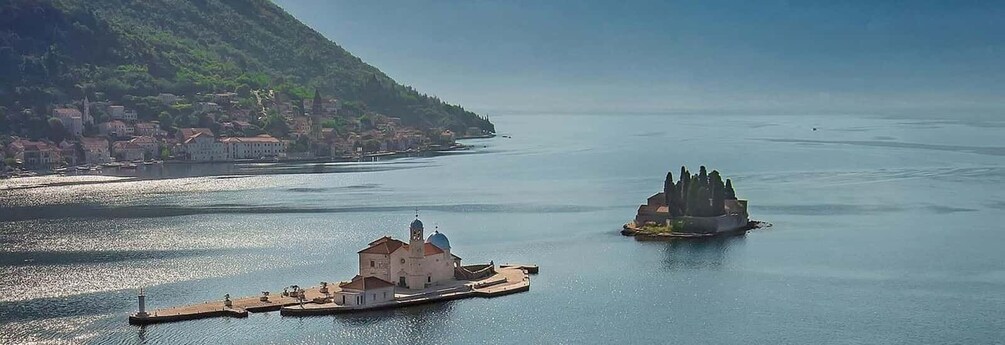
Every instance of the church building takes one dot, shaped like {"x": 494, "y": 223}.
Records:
{"x": 418, "y": 264}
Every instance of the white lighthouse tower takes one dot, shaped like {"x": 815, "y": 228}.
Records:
{"x": 142, "y": 299}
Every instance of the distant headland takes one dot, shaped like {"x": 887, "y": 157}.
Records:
{"x": 113, "y": 84}
{"x": 697, "y": 205}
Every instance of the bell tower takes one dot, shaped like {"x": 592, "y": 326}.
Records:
{"x": 416, "y": 254}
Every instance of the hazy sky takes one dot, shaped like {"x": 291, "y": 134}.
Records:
{"x": 674, "y": 55}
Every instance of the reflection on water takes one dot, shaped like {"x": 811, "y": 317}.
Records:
{"x": 711, "y": 253}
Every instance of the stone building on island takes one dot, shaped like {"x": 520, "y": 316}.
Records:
{"x": 655, "y": 211}
{"x": 388, "y": 264}
{"x": 697, "y": 203}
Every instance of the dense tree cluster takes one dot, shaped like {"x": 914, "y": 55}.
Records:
{"x": 700, "y": 195}
{"x": 51, "y": 51}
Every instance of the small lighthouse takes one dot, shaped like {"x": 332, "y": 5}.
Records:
{"x": 142, "y": 299}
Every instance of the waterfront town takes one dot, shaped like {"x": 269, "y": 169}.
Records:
{"x": 261, "y": 125}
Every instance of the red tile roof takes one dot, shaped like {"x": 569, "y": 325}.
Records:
{"x": 384, "y": 245}
{"x": 387, "y": 245}
{"x": 368, "y": 283}
{"x": 431, "y": 249}
{"x": 188, "y": 132}
{"x": 264, "y": 138}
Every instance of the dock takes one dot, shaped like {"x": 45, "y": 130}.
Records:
{"x": 532, "y": 269}
{"x": 509, "y": 279}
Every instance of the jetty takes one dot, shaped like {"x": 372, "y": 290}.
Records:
{"x": 319, "y": 300}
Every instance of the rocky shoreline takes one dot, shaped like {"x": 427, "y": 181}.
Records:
{"x": 642, "y": 234}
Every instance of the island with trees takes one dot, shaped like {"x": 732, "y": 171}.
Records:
{"x": 697, "y": 205}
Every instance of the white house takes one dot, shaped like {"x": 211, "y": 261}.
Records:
{"x": 115, "y": 128}
{"x": 253, "y": 147}
{"x": 202, "y": 146}
{"x": 152, "y": 129}
{"x": 363, "y": 291}
{"x": 151, "y": 146}
{"x": 127, "y": 151}
{"x": 95, "y": 150}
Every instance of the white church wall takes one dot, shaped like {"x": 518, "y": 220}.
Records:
{"x": 440, "y": 267}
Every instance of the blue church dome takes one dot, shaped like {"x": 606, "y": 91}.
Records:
{"x": 439, "y": 240}
{"x": 416, "y": 224}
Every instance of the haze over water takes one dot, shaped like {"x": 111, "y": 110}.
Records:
{"x": 886, "y": 230}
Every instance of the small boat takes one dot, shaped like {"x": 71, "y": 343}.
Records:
{"x": 83, "y": 168}
{"x": 149, "y": 163}
{"x": 128, "y": 166}
{"x": 111, "y": 165}
{"x": 61, "y": 170}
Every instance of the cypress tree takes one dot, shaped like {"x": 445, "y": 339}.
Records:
{"x": 730, "y": 194}
{"x": 718, "y": 194}
{"x": 693, "y": 204}
{"x": 668, "y": 190}
{"x": 703, "y": 176}
{"x": 685, "y": 186}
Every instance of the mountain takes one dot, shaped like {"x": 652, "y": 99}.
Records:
{"x": 51, "y": 50}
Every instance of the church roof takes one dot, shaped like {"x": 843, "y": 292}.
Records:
{"x": 383, "y": 245}
{"x": 387, "y": 245}
{"x": 366, "y": 283}
{"x": 440, "y": 240}
{"x": 430, "y": 249}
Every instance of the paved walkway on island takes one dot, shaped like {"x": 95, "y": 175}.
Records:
{"x": 506, "y": 280}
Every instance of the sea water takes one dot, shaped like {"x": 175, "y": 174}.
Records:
{"x": 885, "y": 230}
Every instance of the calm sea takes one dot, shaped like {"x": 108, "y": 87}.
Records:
{"x": 887, "y": 230}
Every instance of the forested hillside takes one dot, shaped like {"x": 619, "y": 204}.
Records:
{"x": 51, "y": 50}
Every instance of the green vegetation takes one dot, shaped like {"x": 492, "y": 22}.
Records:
{"x": 700, "y": 195}
{"x": 56, "y": 51}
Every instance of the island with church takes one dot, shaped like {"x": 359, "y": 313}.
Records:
{"x": 697, "y": 205}
{"x": 392, "y": 274}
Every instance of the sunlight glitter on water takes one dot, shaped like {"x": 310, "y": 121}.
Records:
{"x": 61, "y": 330}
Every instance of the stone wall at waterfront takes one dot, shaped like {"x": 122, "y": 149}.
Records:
{"x": 707, "y": 225}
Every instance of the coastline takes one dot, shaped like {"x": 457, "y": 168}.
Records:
{"x": 130, "y": 175}
{"x": 641, "y": 234}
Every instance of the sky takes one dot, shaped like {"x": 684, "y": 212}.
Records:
{"x": 679, "y": 56}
